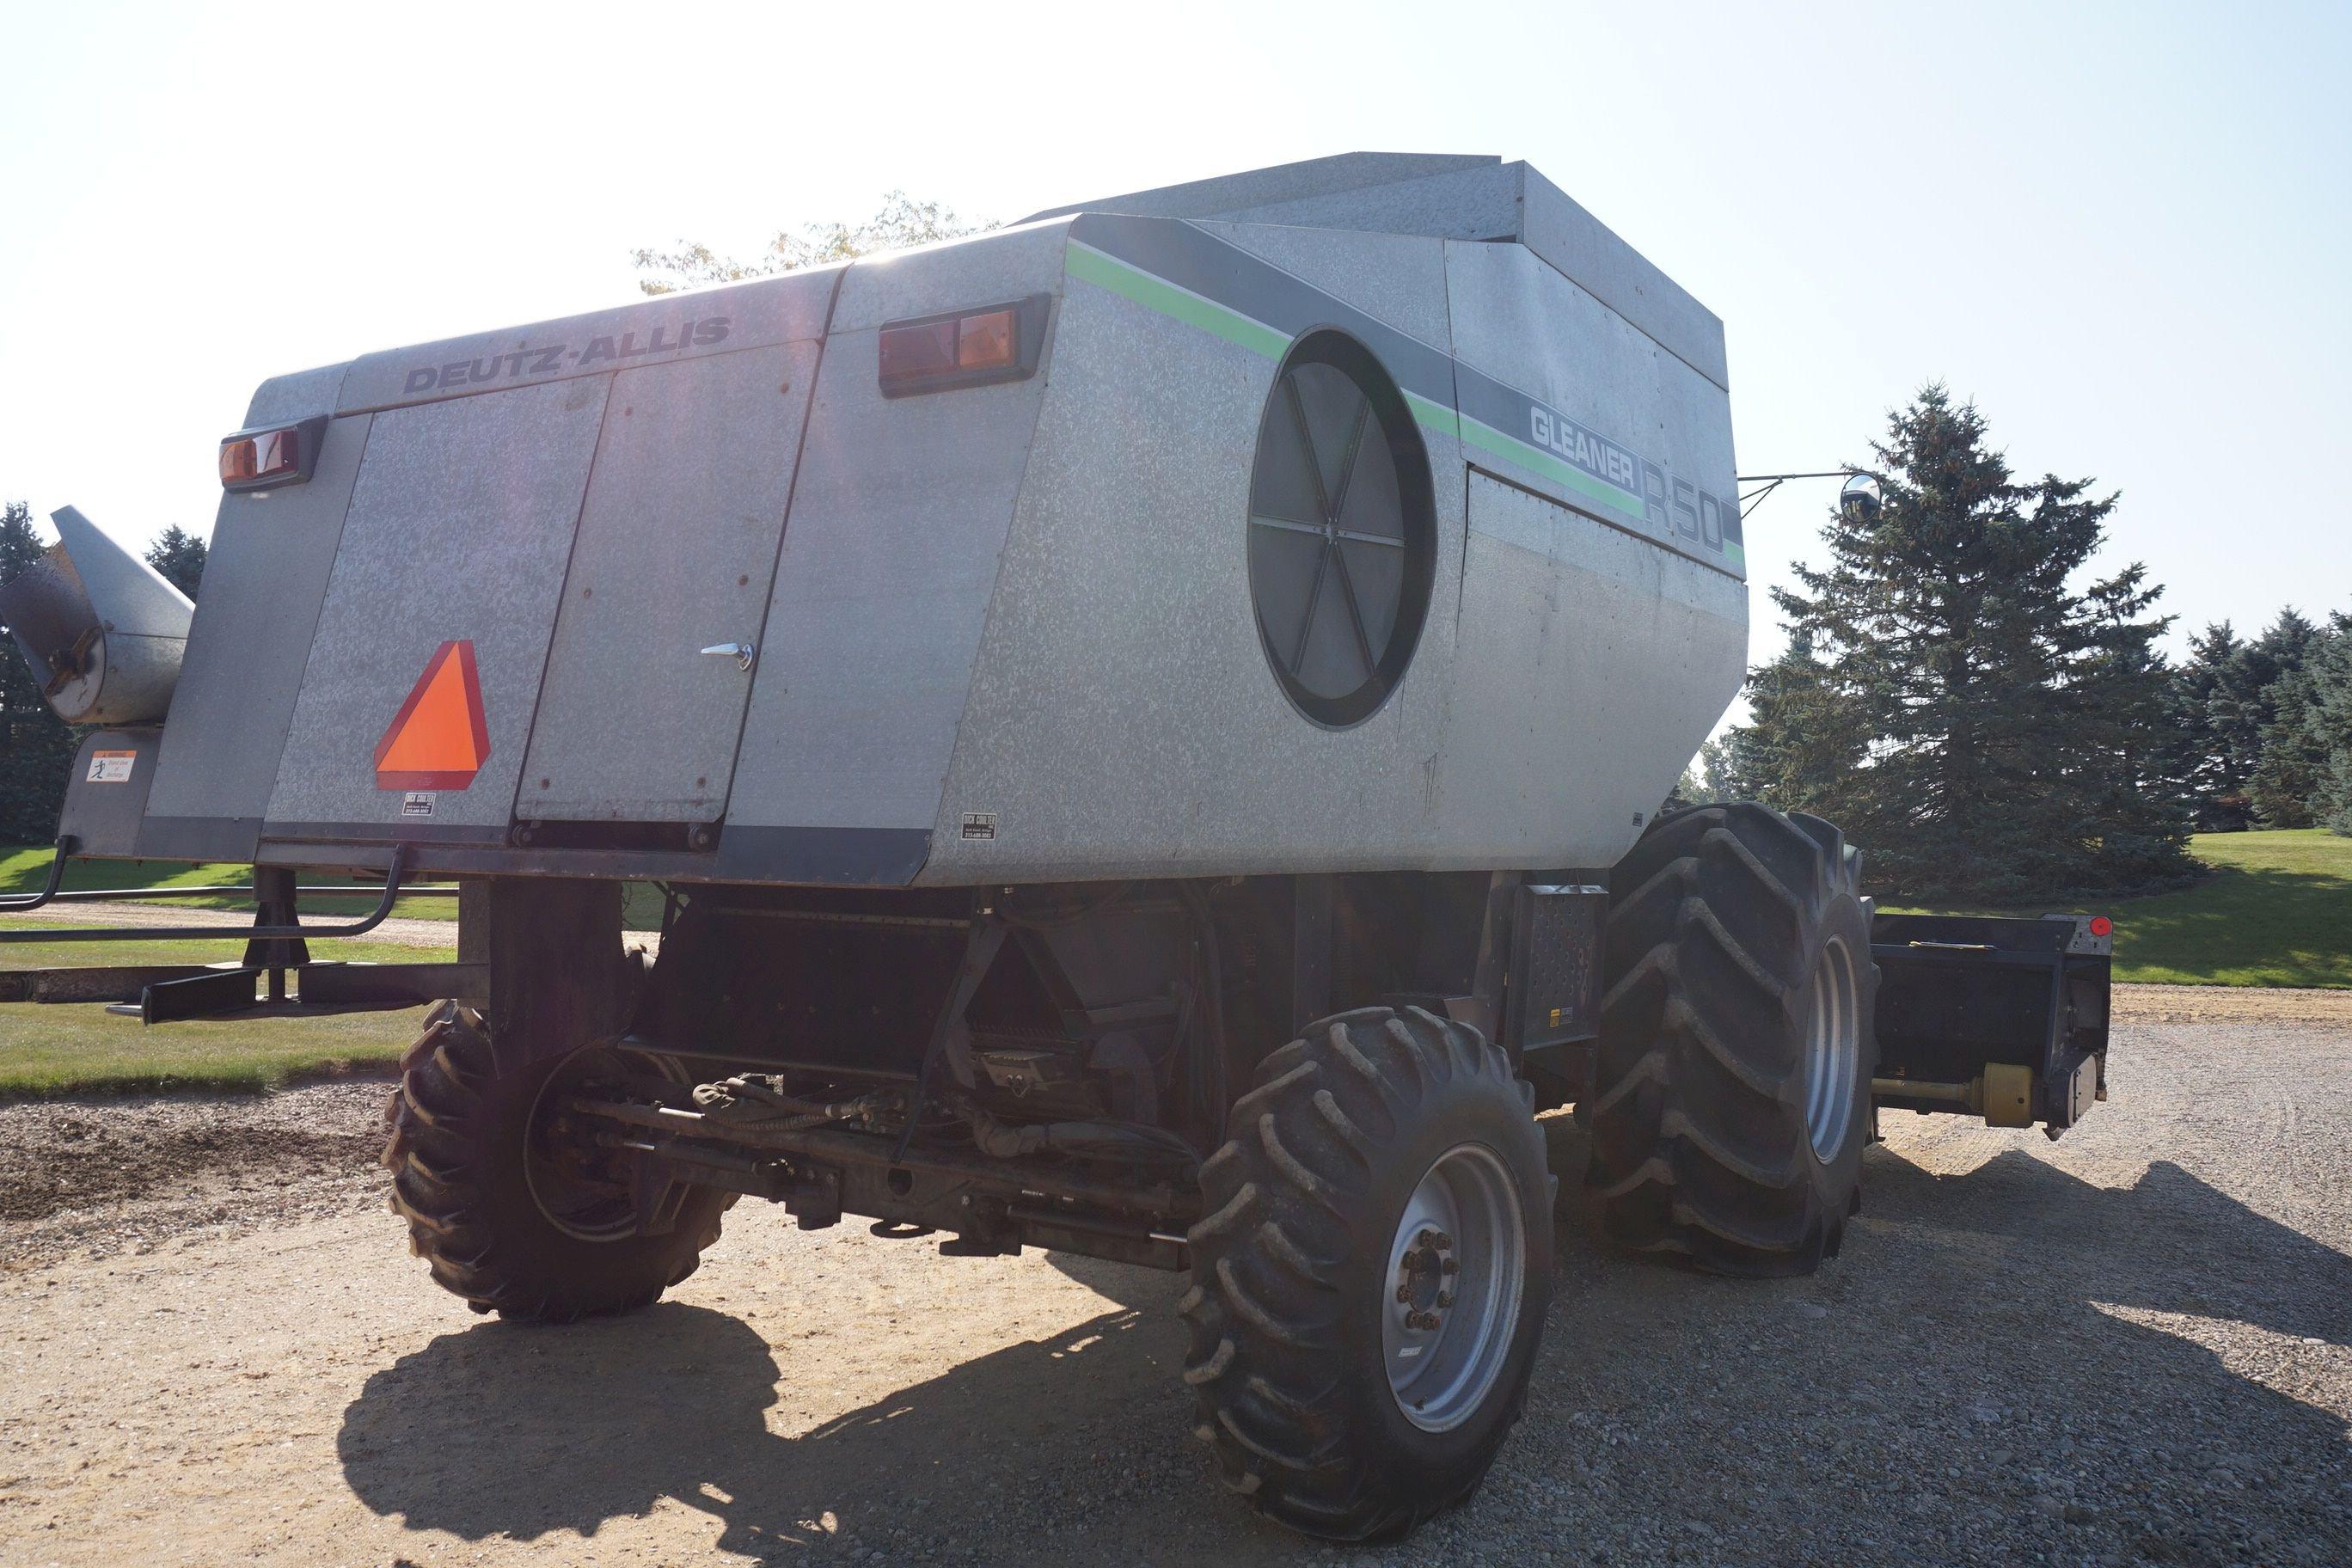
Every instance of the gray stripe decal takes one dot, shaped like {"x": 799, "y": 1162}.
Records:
{"x": 1527, "y": 442}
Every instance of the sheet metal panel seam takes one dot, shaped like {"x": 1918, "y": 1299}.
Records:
{"x": 359, "y": 466}
{"x": 563, "y": 593}
{"x": 1460, "y": 577}
{"x": 988, "y": 616}
{"x": 776, "y": 565}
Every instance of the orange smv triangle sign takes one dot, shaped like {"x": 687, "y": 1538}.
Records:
{"x": 440, "y": 739}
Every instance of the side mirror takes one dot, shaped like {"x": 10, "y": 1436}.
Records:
{"x": 1860, "y": 501}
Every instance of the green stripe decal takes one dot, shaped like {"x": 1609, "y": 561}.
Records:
{"x": 1093, "y": 265}
{"x": 1511, "y": 449}
{"x": 1128, "y": 282}
{"x": 1436, "y": 416}
{"x": 1107, "y": 272}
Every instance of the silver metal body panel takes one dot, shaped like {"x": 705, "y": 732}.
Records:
{"x": 266, "y": 579}
{"x": 1456, "y": 199}
{"x": 675, "y": 551}
{"x": 1307, "y": 178}
{"x": 107, "y": 792}
{"x": 1025, "y": 606}
{"x": 1399, "y": 279}
{"x": 742, "y": 316}
{"x": 1589, "y": 665}
{"x": 1123, "y": 720}
{"x": 891, "y": 555}
{"x": 1525, "y": 324}
{"x": 459, "y": 526}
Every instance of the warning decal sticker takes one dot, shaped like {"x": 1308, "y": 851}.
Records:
{"x": 440, "y": 739}
{"x": 111, "y": 767}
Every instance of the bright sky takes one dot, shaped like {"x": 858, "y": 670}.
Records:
{"x": 2123, "y": 229}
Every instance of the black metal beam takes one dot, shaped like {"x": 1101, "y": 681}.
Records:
{"x": 391, "y": 984}
{"x": 217, "y": 933}
{"x": 93, "y": 982}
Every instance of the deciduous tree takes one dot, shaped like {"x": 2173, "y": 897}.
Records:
{"x": 903, "y": 221}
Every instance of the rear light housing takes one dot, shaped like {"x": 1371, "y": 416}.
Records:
{"x": 962, "y": 348}
{"x": 272, "y": 454}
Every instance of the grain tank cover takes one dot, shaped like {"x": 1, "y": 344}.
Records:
{"x": 102, "y": 628}
{"x": 1372, "y": 513}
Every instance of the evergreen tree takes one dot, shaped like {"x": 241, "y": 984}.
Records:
{"x": 2127, "y": 750}
{"x": 2219, "y": 804}
{"x": 2330, "y": 717}
{"x": 1985, "y": 728}
{"x": 2304, "y": 776}
{"x": 2240, "y": 693}
{"x": 36, "y": 749}
{"x": 1808, "y": 741}
{"x": 179, "y": 556}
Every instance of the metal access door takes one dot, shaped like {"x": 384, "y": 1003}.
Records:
{"x": 674, "y": 556}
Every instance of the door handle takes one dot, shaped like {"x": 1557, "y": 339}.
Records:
{"x": 743, "y": 653}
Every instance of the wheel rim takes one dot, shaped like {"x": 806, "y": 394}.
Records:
{"x": 587, "y": 1192}
{"x": 1832, "y": 1047}
{"x": 1458, "y": 1270}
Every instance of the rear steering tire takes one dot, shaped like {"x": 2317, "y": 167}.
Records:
{"x": 510, "y": 1209}
{"x": 1370, "y": 1278}
{"x": 1731, "y": 1090}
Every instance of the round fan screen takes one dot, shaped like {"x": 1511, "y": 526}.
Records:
{"x": 1342, "y": 531}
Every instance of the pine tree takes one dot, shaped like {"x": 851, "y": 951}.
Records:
{"x": 2304, "y": 777}
{"x": 179, "y": 556}
{"x": 1807, "y": 743}
{"x": 2241, "y": 708}
{"x": 1983, "y": 726}
{"x": 2125, "y": 735}
{"x": 2331, "y": 717}
{"x": 2219, "y": 805}
{"x": 36, "y": 749}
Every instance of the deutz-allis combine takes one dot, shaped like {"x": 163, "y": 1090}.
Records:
{"x": 1151, "y": 723}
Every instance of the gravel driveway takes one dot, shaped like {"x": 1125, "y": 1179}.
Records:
{"x": 2134, "y": 1345}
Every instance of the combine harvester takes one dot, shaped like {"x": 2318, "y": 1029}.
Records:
{"x": 1151, "y": 725}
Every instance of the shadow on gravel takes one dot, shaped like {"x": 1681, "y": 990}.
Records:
{"x": 499, "y": 1430}
{"x": 1958, "y": 1391}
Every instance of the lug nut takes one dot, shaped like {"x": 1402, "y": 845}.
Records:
{"x": 1404, "y": 1292}
{"x": 1450, "y": 1266}
{"x": 1443, "y": 1300}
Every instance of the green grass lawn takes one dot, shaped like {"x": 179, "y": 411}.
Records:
{"x": 71, "y": 1048}
{"x": 67, "y": 1047}
{"x": 24, "y": 868}
{"x": 2277, "y": 911}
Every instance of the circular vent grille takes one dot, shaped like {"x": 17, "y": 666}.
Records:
{"x": 1342, "y": 536}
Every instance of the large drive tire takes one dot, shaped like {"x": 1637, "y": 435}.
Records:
{"x": 1384, "y": 1165}
{"x": 470, "y": 1170}
{"x": 1731, "y": 1093}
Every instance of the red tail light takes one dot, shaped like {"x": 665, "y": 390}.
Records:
{"x": 972, "y": 348}
{"x": 2102, "y": 926}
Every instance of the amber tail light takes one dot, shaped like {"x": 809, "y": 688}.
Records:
{"x": 965, "y": 348}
